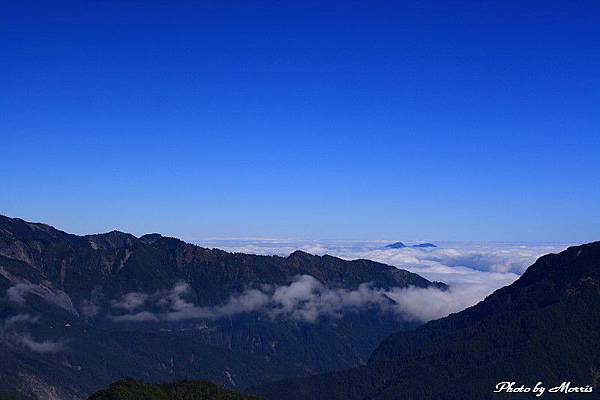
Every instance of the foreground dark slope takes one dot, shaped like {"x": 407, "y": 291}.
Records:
{"x": 129, "y": 389}
{"x": 69, "y": 283}
{"x": 544, "y": 327}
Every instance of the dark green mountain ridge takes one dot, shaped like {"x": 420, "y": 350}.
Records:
{"x": 130, "y": 389}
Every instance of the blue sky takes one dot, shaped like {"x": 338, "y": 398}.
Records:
{"x": 350, "y": 120}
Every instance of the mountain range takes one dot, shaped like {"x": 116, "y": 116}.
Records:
{"x": 80, "y": 312}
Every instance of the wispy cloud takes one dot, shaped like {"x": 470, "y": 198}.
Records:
{"x": 131, "y": 301}
{"x": 18, "y": 294}
{"x": 13, "y": 331}
{"x": 141, "y": 316}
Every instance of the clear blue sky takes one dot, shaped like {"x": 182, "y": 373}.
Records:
{"x": 358, "y": 120}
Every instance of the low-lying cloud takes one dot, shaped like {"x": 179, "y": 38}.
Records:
{"x": 304, "y": 299}
{"x": 426, "y": 304}
{"x": 13, "y": 331}
{"x": 308, "y": 299}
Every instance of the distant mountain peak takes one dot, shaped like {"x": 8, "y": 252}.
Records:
{"x": 300, "y": 254}
{"x": 396, "y": 245}
{"x": 150, "y": 238}
{"x": 400, "y": 245}
{"x": 111, "y": 240}
{"x": 424, "y": 245}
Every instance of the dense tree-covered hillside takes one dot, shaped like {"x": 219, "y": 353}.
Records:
{"x": 130, "y": 389}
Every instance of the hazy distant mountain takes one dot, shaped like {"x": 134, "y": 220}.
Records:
{"x": 544, "y": 327}
{"x": 79, "y": 312}
{"x": 396, "y": 245}
{"x": 400, "y": 245}
{"x": 423, "y": 245}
